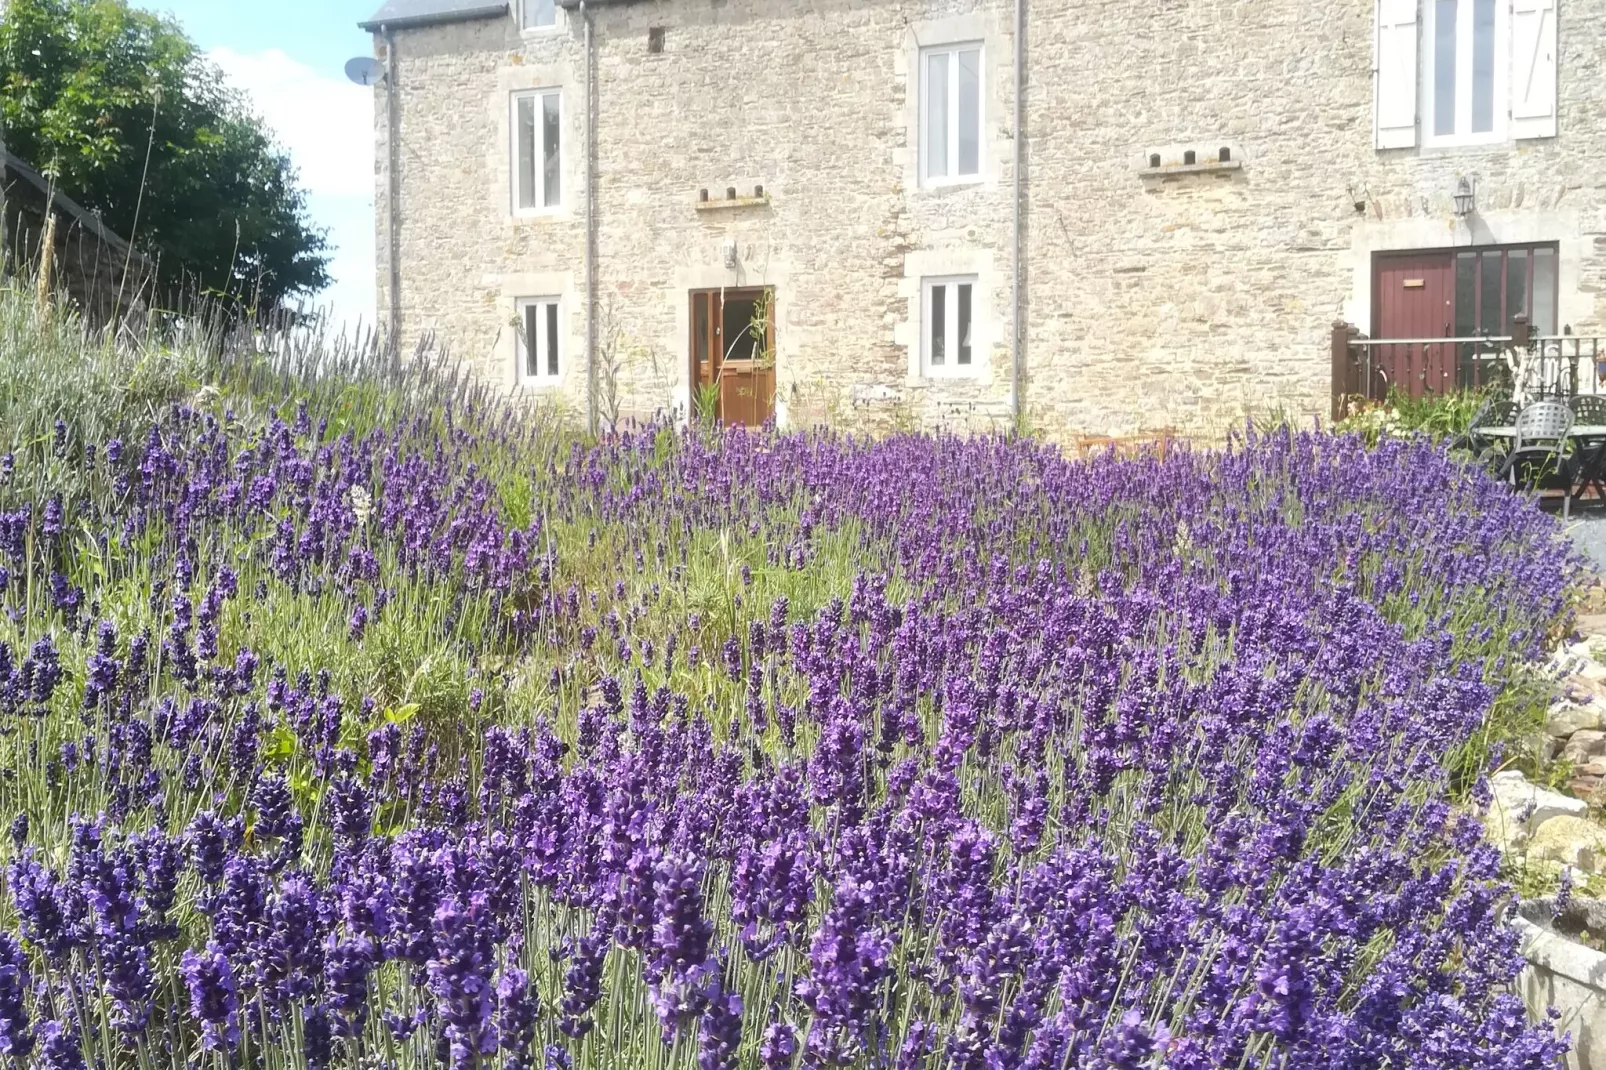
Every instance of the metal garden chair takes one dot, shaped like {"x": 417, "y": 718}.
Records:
{"x": 1589, "y": 457}
{"x": 1486, "y": 448}
{"x": 1588, "y": 408}
{"x": 1539, "y": 455}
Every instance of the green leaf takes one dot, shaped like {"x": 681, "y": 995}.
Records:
{"x": 280, "y": 746}
{"x": 401, "y": 714}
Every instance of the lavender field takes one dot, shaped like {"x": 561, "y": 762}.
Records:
{"x": 364, "y": 721}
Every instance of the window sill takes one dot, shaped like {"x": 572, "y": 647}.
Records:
{"x": 929, "y": 376}
{"x": 540, "y": 384}
{"x": 537, "y": 215}
{"x": 1454, "y": 145}
{"x": 938, "y": 184}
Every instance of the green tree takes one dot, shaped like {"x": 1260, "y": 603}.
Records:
{"x": 130, "y": 119}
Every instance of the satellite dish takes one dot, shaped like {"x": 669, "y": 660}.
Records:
{"x": 365, "y": 70}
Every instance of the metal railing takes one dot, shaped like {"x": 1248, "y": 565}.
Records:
{"x": 1523, "y": 363}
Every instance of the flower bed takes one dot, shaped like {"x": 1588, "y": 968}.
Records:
{"x": 456, "y": 740}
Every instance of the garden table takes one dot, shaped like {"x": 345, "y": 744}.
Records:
{"x": 1583, "y": 431}
{"x": 1591, "y": 454}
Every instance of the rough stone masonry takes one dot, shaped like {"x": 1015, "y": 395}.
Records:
{"x": 1183, "y": 296}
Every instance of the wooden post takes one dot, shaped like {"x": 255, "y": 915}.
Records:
{"x": 47, "y": 259}
{"x": 1520, "y": 355}
{"x": 1521, "y": 331}
{"x": 1343, "y": 368}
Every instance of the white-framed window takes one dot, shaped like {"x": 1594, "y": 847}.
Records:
{"x": 538, "y": 14}
{"x": 537, "y": 151}
{"x": 947, "y": 327}
{"x": 1466, "y": 50}
{"x": 1464, "y": 72}
{"x": 950, "y": 113}
{"x": 539, "y": 348}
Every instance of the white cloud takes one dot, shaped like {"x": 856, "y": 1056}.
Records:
{"x": 326, "y": 123}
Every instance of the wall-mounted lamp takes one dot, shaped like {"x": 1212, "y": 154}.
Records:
{"x": 1466, "y": 199}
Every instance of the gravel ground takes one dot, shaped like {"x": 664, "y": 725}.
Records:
{"x": 1589, "y": 533}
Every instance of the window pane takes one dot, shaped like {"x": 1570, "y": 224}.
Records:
{"x": 1466, "y": 295}
{"x": 970, "y": 112}
{"x": 1516, "y": 285}
{"x": 552, "y": 339}
{"x": 964, "y": 323}
{"x": 1482, "y": 66}
{"x": 939, "y": 324}
{"x": 524, "y": 153}
{"x": 549, "y": 141}
{"x": 540, "y": 13}
{"x": 532, "y": 335}
{"x": 937, "y": 115}
{"x": 1489, "y": 300}
{"x": 1544, "y": 302}
{"x": 1444, "y": 13}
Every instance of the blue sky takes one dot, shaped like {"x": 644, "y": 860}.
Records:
{"x": 289, "y": 57}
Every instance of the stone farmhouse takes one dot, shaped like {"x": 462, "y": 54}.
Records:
{"x": 1096, "y": 217}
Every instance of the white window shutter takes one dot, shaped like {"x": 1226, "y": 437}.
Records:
{"x": 1533, "y": 68}
{"x": 1395, "y": 81}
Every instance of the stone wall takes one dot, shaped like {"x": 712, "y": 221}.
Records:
{"x": 1181, "y": 301}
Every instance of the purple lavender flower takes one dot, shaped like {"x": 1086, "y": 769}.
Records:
{"x": 51, "y": 911}
{"x": 679, "y": 970}
{"x": 209, "y": 841}
{"x": 778, "y": 1047}
{"x": 358, "y": 624}
{"x": 59, "y": 1046}
{"x": 582, "y": 984}
{"x": 16, "y": 1039}
{"x": 317, "y": 1039}
{"x": 518, "y": 1013}
{"x": 719, "y": 1033}
{"x": 460, "y": 980}
{"x": 213, "y": 1000}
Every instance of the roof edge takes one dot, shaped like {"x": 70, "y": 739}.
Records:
{"x": 407, "y": 22}
{"x": 91, "y": 221}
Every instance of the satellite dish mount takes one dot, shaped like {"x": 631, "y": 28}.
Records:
{"x": 365, "y": 70}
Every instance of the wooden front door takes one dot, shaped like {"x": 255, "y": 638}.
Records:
{"x": 1414, "y": 298}
{"x": 733, "y": 354}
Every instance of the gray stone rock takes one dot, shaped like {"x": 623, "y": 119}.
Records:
{"x": 1572, "y": 841}
{"x": 1584, "y": 745}
{"x": 1565, "y": 718}
{"x": 1581, "y": 690}
{"x": 1589, "y": 654}
{"x": 1518, "y": 807}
